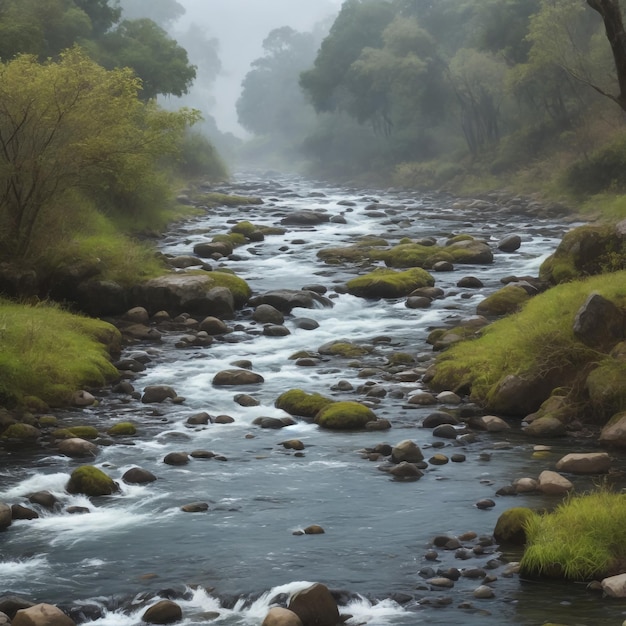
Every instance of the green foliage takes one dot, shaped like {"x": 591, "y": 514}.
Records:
{"x": 345, "y": 416}
{"x": 535, "y": 341}
{"x": 298, "y": 402}
{"x": 49, "y": 353}
{"x": 582, "y": 539}
{"x": 199, "y": 159}
{"x": 506, "y": 300}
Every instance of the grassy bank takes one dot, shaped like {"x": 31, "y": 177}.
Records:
{"x": 48, "y": 354}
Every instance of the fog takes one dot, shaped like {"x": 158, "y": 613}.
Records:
{"x": 240, "y": 26}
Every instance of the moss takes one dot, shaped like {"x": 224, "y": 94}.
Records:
{"x": 234, "y": 239}
{"x": 48, "y": 421}
{"x": 401, "y": 358}
{"x": 345, "y": 416}
{"x": 606, "y": 386}
{"x": 385, "y": 283}
{"x": 244, "y": 228}
{"x": 90, "y": 481}
{"x": 49, "y": 353}
{"x": 409, "y": 255}
{"x": 21, "y": 431}
{"x": 511, "y": 525}
{"x": 584, "y": 251}
{"x": 84, "y": 432}
{"x": 122, "y": 429}
{"x": 504, "y": 301}
{"x": 298, "y": 402}
{"x": 457, "y": 238}
{"x": 582, "y": 539}
{"x": 348, "y": 254}
{"x": 238, "y": 286}
{"x": 272, "y": 230}
{"x": 344, "y": 349}
{"x": 533, "y": 343}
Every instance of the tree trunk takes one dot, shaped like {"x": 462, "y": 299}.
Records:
{"x": 611, "y": 13}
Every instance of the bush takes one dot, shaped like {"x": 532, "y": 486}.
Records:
{"x": 199, "y": 159}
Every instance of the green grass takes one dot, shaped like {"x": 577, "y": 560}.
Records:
{"x": 48, "y": 354}
{"x": 534, "y": 341}
{"x": 583, "y": 538}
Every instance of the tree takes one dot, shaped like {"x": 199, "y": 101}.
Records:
{"x": 157, "y": 59}
{"x": 611, "y": 14}
{"x": 163, "y": 12}
{"x": 70, "y": 130}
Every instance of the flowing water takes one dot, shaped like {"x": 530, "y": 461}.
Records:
{"x": 138, "y": 543}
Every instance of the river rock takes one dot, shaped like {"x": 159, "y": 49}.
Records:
{"x": 176, "y": 458}
{"x": 237, "y": 377}
{"x": 278, "y": 616}
{"x": 614, "y": 433}
{"x": 154, "y": 394}
{"x": 19, "y": 511}
{"x": 90, "y": 481}
{"x": 525, "y": 485}
{"x": 213, "y": 326}
{"x": 44, "y": 499}
{"x": 275, "y": 330}
{"x": 6, "y": 516}
{"x": 615, "y": 586}
{"x": 407, "y": 450}
{"x": 448, "y": 397}
{"x": 315, "y": 606}
{"x": 314, "y": 529}
{"x": 504, "y": 301}
{"x": 305, "y": 218}
{"x": 586, "y": 463}
{"x": 306, "y": 323}
{"x": 195, "y": 507}
{"x": 510, "y": 243}
{"x": 406, "y": 471}
{"x": 483, "y": 592}
{"x": 438, "y": 418}
{"x": 243, "y": 399}
{"x": 42, "y": 615}
{"x": 552, "y": 483}
{"x": 287, "y": 299}
{"x": 138, "y": 476}
{"x": 10, "y": 605}
{"x": 470, "y": 282}
{"x": 292, "y": 444}
{"x": 599, "y": 323}
{"x": 267, "y": 314}
{"x": 546, "y": 426}
{"x": 78, "y": 448}
{"x": 445, "y": 431}
{"x": 209, "y": 249}
{"x": 422, "y": 398}
{"x": 490, "y": 423}
{"x": 199, "y": 419}
{"x": 137, "y": 315}
{"x": 163, "y": 612}
{"x": 511, "y": 526}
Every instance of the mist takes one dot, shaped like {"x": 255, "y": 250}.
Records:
{"x": 240, "y": 26}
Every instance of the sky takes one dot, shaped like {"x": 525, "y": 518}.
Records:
{"x": 241, "y": 26}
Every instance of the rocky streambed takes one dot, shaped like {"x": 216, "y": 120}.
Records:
{"x": 230, "y": 492}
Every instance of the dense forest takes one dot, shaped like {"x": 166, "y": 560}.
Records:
{"x": 482, "y": 92}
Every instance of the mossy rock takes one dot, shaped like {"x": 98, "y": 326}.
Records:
{"x": 511, "y": 526}
{"x": 91, "y": 481}
{"x": 244, "y": 228}
{"x": 348, "y": 254}
{"x": 122, "y": 429}
{"x": 48, "y": 421}
{"x": 457, "y": 238}
{"x": 344, "y": 349}
{"x": 408, "y": 255}
{"x": 236, "y": 240}
{"x": 82, "y": 432}
{"x": 303, "y": 354}
{"x": 298, "y": 402}
{"x": 470, "y": 251}
{"x": 606, "y": 387}
{"x": 24, "y": 432}
{"x": 272, "y": 230}
{"x": 401, "y": 358}
{"x": 237, "y": 286}
{"x": 585, "y": 251}
{"x": 345, "y": 416}
{"x": 386, "y": 283}
{"x": 507, "y": 300}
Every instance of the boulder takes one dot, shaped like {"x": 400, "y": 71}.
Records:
{"x": 25, "y": 432}
{"x": 176, "y": 458}
{"x": 275, "y": 330}
{"x": 519, "y": 396}
{"x": 157, "y": 393}
{"x": 614, "y": 433}
{"x": 387, "y": 283}
{"x": 490, "y": 423}
{"x": 19, "y": 511}
{"x": 267, "y": 314}
{"x": 301, "y": 403}
{"x": 504, "y": 301}
{"x": 213, "y": 326}
{"x": 585, "y": 463}
{"x": 210, "y": 249}
{"x": 552, "y": 483}
{"x": 408, "y": 451}
{"x": 315, "y": 606}
{"x": 90, "y": 481}
{"x": 44, "y": 499}
{"x": 345, "y": 416}
{"x": 284, "y": 300}
{"x": 510, "y": 243}
{"x": 599, "y": 323}
{"x": 10, "y": 605}
{"x": 406, "y": 471}
{"x": 6, "y": 516}
{"x": 78, "y": 448}
{"x": 138, "y": 476}
{"x": 470, "y": 251}
{"x": 511, "y": 526}
{"x": 42, "y": 615}
{"x": 237, "y": 377}
{"x": 163, "y": 612}
{"x": 99, "y": 298}
{"x": 546, "y": 426}
{"x": 278, "y": 616}
{"x": 614, "y": 586}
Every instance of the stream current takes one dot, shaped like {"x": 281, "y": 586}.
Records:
{"x": 377, "y": 530}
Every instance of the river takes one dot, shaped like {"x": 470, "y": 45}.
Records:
{"x": 225, "y": 565}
